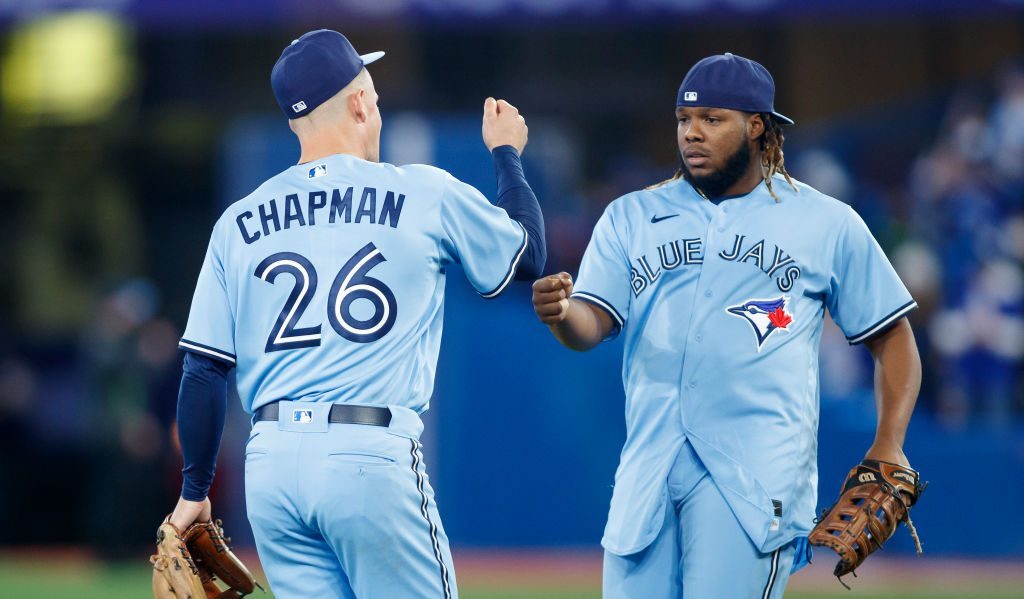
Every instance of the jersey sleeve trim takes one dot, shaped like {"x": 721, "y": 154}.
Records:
{"x": 511, "y": 268}
{"x": 883, "y": 323}
{"x": 206, "y": 350}
{"x": 602, "y": 303}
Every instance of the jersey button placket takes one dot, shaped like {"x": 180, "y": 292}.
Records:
{"x": 687, "y": 383}
{"x": 721, "y": 225}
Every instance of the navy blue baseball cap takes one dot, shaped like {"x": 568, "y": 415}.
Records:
{"x": 314, "y": 68}
{"x": 730, "y": 81}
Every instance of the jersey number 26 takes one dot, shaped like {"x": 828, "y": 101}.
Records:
{"x": 351, "y": 283}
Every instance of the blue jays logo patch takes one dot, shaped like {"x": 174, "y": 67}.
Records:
{"x": 764, "y": 316}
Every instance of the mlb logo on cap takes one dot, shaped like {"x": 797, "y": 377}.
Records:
{"x": 690, "y": 97}
{"x": 302, "y": 416}
{"x": 299, "y": 106}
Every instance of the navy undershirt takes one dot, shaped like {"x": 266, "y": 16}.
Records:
{"x": 519, "y": 201}
{"x": 202, "y": 397}
{"x": 202, "y": 403}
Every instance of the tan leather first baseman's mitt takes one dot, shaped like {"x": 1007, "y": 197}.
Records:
{"x": 876, "y": 497}
{"x": 188, "y": 565}
{"x": 175, "y": 575}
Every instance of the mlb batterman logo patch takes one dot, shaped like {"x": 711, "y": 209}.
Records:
{"x": 318, "y": 171}
{"x": 299, "y": 106}
{"x": 690, "y": 96}
{"x": 764, "y": 316}
{"x": 302, "y": 416}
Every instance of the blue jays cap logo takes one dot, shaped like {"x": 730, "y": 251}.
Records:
{"x": 764, "y": 316}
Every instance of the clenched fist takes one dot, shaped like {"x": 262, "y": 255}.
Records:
{"x": 551, "y": 297}
{"x": 503, "y": 125}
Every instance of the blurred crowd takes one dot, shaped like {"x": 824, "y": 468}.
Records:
{"x": 964, "y": 254}
{"x": 81, "y": 423}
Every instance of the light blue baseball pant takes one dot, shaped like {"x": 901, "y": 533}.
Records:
{"x": 702, "y": 551}
{"x": 345, "y": 511}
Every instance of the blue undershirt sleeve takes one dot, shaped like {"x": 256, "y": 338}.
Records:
{"x": 202, "y": 403}
{"x": 519, "y": 201}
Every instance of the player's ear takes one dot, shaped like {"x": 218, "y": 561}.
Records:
{"x": 755, "y": 126}
{"x": 357, "y": 105}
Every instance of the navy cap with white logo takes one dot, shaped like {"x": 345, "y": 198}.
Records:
{"x": 730, "y": 81}
{"x": 314, "y": 68}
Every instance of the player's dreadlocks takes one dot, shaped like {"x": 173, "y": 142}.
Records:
{"x": 772, "y": 159}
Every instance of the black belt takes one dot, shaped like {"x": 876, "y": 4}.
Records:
{"x": 340, "y": 414}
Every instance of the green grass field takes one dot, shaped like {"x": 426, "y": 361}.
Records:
{"x": 40, "y": 578}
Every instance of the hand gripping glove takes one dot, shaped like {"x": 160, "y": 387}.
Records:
{"x": 876, "y": 497}
{"x": 175, "y": 575}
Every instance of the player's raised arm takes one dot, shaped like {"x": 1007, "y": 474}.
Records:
{"x": 576, "y": 324}
{"x": 496, "y": 243}
{"x": 505, "y": 134}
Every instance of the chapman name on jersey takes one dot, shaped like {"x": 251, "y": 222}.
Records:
{"x": 330, "y": 206}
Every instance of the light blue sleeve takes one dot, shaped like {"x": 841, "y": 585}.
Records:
{"x": 865, "y": 294}
{"x": 604, "y": 277}
{"x": 481, "y": 237}
{"x": 211, "y": 322}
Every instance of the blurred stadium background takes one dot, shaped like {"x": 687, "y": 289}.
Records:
{"x": 127, "y": 125}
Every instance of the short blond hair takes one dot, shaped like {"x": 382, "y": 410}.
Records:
{"x": 333, "y": 108}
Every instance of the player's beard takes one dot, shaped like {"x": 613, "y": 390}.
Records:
{"x": 715, "y": 184}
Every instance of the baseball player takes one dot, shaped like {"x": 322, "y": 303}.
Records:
{"x": 719, "y": 280}
{"x": 324, "y": 289}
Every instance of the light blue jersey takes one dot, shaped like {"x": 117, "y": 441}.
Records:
{"x": 721, "y": 308}
{"x": 326, "y": 284}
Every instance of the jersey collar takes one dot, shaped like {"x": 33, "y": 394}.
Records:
{"x": 758, "y": 190}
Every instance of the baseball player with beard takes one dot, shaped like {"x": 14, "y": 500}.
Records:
{"x": 719, "y": 280}
{"x": 324, "y": 289}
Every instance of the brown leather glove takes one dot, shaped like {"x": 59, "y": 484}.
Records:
{"x": 876, "y": 497}
{"x": 214, "y": 561}
{"x": 175, "y": 575}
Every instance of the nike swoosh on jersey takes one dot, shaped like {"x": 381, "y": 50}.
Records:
{"x": 658, "y": 219}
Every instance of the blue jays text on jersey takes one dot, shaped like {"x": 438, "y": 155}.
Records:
{"x": 326, "y": 283}
{"x": 690, "y": 252}
{"x": 721, "y": 307}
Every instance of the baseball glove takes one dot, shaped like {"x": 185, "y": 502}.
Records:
{"x": 214, "y": 560}
{"x": 876, "y": 497}
{"x": 187, "y": 566}
{"x": 175, "y": 575}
